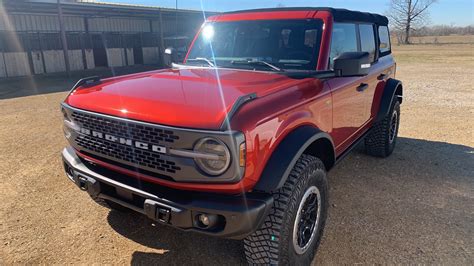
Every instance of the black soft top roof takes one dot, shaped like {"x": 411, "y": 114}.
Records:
{"x": 339, "y": 14}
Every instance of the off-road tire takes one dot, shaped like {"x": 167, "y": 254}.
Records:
{"x": 378, "y": 142}
{"x": 272, "y": 243}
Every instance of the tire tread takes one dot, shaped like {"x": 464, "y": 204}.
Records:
{"x": 259, "y": 247}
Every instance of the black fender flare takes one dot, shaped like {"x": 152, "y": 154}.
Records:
{"x": 286, "y": 155}
{"x": 393, "y": 88}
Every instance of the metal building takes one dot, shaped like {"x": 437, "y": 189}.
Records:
{"x": 36, "y": 35}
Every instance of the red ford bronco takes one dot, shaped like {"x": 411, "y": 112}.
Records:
{"x": 236, "y": 141}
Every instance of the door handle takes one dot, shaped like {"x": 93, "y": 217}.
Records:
{"x": 381, "y": 77}
{"x": 362, "y": 87}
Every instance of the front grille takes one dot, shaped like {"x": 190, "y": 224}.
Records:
{"x": 121, "y": 128}
{"x": 128, "y": 130}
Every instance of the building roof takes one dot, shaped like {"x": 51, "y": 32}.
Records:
{"x": 339, "y": 14}
{"x": 129, "y": 5}
{"x": 94, "y": 8}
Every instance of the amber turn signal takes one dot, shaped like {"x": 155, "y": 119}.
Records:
{"x": 242, "y": 155}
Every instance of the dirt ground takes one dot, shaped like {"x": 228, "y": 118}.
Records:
{"x": 414, "y": 207}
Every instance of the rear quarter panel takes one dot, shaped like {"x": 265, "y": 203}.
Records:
{"x": 386, "y": 65}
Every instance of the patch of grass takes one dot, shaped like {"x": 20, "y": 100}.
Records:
{"x": 450, "y": 53}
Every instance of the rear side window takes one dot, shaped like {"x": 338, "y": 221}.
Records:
{"x": 344, "y": 39}
{"x": 384, "y": 36}
{"x": 367, "y": 40}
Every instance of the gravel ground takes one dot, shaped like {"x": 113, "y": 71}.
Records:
{"x": 414, "y": 207}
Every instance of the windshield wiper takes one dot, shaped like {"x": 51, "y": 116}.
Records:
{"x": 201, "y": 59}
{"x": 257, "y": 62}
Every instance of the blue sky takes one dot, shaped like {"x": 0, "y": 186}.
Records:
{"x": 458, "y": 12}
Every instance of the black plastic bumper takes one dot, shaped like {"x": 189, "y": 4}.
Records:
{"x": 231, "y": 216}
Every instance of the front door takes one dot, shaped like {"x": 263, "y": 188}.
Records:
{"x": 349, "y": 97}
{"x": 349, "y": 94}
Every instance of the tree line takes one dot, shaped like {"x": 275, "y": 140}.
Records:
{"x": 443, "y": 30}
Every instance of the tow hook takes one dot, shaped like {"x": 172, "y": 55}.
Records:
{"x": 88, "y": 184}
{"x": 157, "y": 212}
{"x": 82, "y": 183}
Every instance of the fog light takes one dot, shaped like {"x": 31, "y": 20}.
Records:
{"x": 204, "y": 219}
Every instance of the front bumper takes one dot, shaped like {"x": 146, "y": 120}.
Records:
{"x": 235, "y": 216}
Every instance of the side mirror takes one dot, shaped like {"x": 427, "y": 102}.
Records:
{"x": 352, "y": 64}
{"x": 170, "y": 56}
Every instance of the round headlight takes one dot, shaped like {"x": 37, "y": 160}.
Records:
{"x": 218, "y": 156}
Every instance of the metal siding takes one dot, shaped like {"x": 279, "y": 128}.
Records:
{"x": 37, "y": 62}
{"x": 98, "y": 24}
{"x": 130, "y": 57}
{"x": 156, "y": 25}
{"x": 90, "y": 58}
{"x": 118, "y": 25}
{"x": 151, "y": 55}
{"x": 113, "y": 25}
{"x": 74, "y": 24}
{"x": 16, "y": 23}
{"x": 92, "y": 24}
{"x": 22, "y": 21}
{"x": 3, "y": 71}
{"x": 2, "y": 22}
{"x": 17, "y": 64}
{"x": 116, "y": 57}
{"x": 41, "y": 22}
{"x": 127, "y": 25}
{"x": 109, "y": 24}
{"x": 29, "y": 21}
{"x": 52, "y": 23}
{"x": 13, "y": 22}
{"x": 54, "y": 61}
{"x": 75, "y": 60}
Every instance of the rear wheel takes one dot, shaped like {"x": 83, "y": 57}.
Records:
{"x": 292, "y": 231}
{"x": 381, "y": 140}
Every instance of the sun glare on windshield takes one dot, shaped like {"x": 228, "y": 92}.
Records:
{"x": 208, "y": 32}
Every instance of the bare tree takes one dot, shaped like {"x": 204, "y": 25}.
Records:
{"x": 406, "y": 15}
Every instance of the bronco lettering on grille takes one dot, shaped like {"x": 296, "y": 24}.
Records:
{"x": 123, "y": 141}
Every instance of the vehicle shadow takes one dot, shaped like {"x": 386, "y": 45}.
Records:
{"x": 416, "y": 168}
{"x": 174, "y": 246}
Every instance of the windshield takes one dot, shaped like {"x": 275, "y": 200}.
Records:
{"x": 259, "y": 44}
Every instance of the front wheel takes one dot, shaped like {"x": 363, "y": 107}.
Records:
{"x": 292, "y": 231}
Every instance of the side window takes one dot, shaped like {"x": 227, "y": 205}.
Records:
{"x": 344, "y": 39}
{"x": 384, "y": 37}
{"x": 367, "y": 40}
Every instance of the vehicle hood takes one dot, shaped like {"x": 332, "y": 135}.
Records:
{"x": 191, "y": 97}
